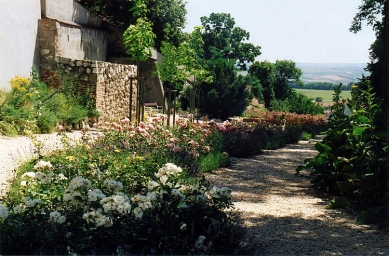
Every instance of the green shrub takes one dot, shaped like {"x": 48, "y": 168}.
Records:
{"x": 306, "y": 136}
{"x": 353, "y": 160}
{"x": 7, "y": 129}
{"x": 31, "y": 106}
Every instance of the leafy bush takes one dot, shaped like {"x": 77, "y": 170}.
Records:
{"x": 268, "y": 130}
{"x": 31, "y": 106}
{"x": 297, "y": 103}
{"x": 353, "y": 160}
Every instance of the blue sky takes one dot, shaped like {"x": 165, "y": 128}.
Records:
{"x": 305, "y": 31}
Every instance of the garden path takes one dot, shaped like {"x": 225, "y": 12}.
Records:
{"x": 281, "y": 213}
{"x": 16, "y": 150}
{"x": 285, "y": 216}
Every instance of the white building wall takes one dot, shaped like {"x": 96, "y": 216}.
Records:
{"x": 19, "y": 49}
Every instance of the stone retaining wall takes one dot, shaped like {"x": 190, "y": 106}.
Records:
{"x": 113, "y": 90}
{"x": 109, "y": 83}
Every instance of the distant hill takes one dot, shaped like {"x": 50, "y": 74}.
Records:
{"x": 332, "y": 72}
{"x": 329, "y": 72}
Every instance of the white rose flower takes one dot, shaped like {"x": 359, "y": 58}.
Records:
{"x": 127, "y": 207}
{"x": 61, "y": 219}
{"x": 40, "y": 175}
{"x": 3, "y": 212}
{"x": 29, "y": 175}
{"x": 151, "y": 185}
{"x": 67, "y": 197}
{"x": 62, "y": 177}
{"x": 163, "y": 179}
{"x": 17, "y": 209}
{"x": 138, "y": 213}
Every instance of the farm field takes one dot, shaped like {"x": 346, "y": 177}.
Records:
{"x": 325, "y": 94}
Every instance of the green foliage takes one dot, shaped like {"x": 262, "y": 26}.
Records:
{"x": 338, "y": 202}
{"x": 31, "y": 106}
{"x": 268, "y": 130}
{"x": 264, "y": 71}
{"x": 161, "y": 13}
{"x": 323, "y": 86}
{"x": 7, "y": 129}
{"x": 276, "y": 80}
{"x": 306, "y": 136}
{"x": 223, "y": 40}
{"x": 225, "y": 48}
{"x": 352, "y": 160}
{"x": 138, "y": 40}
{"x": 182, "y": 62}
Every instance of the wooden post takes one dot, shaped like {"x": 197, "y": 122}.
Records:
{"x": 131, "y": 91}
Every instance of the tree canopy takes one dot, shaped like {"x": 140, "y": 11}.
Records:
{"x": 223, "y": 40}
{"x": 224, "y": 51}
{"x": 161, "y": 13}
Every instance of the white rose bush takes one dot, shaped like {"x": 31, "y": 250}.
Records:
{"x": 127, "y": 190}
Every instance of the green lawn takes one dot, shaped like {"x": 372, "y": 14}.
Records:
{"x": 325, "y": 94}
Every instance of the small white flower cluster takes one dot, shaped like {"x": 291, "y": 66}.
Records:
{"x": 28, "y": 175}
{"x": 95, "y": 194}
{"x": 43, "y": 177}
{"x": 71, "y": 194}
{"x": 41, "y": 165}
{"x": 169, "y": 169}
{"x": 17, "y": 209}
{"x": 57, "y": 217}
{"x": 114, "y": 185}
{"x": 96, "y": 217}
{"x": 30, "y": 202}
{"x": 143, "y": 202}
{"x": 119, "y": 203}
{"x": 3, "y": 212}
{"x": 220, "y": 192}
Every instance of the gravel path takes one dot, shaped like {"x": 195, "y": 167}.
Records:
{"x": 284, "y": 214}
{"x": 15, "y": 151}
{"x": 280, "y": 211}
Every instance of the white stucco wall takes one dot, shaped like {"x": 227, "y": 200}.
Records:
{"x": 80, "y": 43}
{"x": 18, "y": 38}
{"x": 69, "y": 10}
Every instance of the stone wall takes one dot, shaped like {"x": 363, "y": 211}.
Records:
{"x": 113, "y": 90}
{"x": 70, "y": 41}
{"x": 19, "y": 49}
{"x": 110, "y": 83}
{"x": 153, "y": 85}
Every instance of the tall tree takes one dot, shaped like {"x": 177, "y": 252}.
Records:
{"x": 223, "y": 40}
{"x": 225, "y": 49}
{"x": 376, "y": 14}
{"x": 286, "y": 73}
{"x": 264, "y": 71}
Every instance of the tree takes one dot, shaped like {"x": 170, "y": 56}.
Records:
{"x": 223, "y": 40}
{"x": 180, "y": 63}
{"x": 160, "y": 13}
{"x": 225, "y": 49}
{"x": 376, "y": 14}
{"x": 286, "y": 73}
{"x": 264, "y": 71}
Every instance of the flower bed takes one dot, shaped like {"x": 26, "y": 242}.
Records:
{"x": 133, "y": 190}
{"x": 269, "y": 130}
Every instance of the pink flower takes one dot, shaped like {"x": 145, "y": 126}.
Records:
{"x": 177, "y": 149}
{"x": 170, "y": 145}
{"x": 125, "y": 121}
